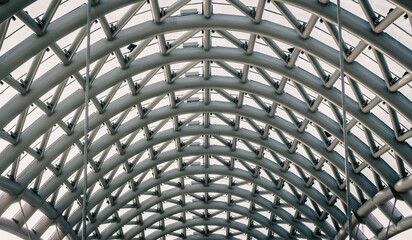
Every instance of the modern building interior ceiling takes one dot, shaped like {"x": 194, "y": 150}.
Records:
{"x": 209, "y": 119}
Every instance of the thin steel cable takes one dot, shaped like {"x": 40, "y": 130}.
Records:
{"x": 86, "y": 122}
{"x": 24, "y": 219}
{"x": 344, "y": 125}
{"x": 390, "y": 219}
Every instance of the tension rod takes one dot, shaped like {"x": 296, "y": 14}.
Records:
{"x": 390, "y": 219}
{"x": 24, "y": 219}
{"x": 344, "y": 124}
{"x": 86, "y": 122}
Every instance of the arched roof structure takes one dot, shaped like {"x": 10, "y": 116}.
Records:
{"x": 208, "y": 119}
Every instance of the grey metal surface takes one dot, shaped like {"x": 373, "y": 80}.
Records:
{"x": 238, "y": 91}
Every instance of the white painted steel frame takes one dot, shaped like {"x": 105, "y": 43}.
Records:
{"x": 35, "y": 45}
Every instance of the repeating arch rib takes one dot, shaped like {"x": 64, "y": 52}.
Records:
{"x": 213, "y": 170}
{"x": 78, "y": 18}
{"x": 215, "y": 206}
{"x": 212, "y": 106}
{"x": 10, "y": 226}
{"x": 216, "y": 222}
{"x": 372, "y": 123}
{"x": 281, "y": 100}
{"x": 210, "y": 236}
{"x": 243, "y": 78}
{"x": 210, "y": 205}
{"x": 248, "y": 112}
{"x": 103, "y": 145}
{"x": 147, "y": 30}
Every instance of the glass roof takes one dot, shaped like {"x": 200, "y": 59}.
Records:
{"x": 208, "y": 119}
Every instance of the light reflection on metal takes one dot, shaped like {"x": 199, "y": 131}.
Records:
{"x": 206, "y": 98}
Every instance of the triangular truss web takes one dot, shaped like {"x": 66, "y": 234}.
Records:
{"x": 208, "y": 119}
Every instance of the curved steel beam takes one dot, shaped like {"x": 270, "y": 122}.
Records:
{"x": 372, "y": 123}
{"x": 369, "y": 206}
{"x": 394, "y": 229}
{"x": 159, "y": 160}
{"x": 181, "y": 110}
{"x": 210, "y": 205}
{"x": 247, "y": 111}
{"x": 143, "y": 31}
{"x": 101, "y": 194}
{"x": 154, "y": 141}
{"x": 250, "y": 111}
{"x": 14, "y": 191}
{"x": 223, "y": 110}
{"x": 385, "y": 135}
{"x": 210, "y": 236}
{"x": 404, "y": 4}
{"x": 128, "y": 130}
{"x": 169, "y": 135}
{"x": 251, "y": 87}
{"x": 77, "y": 18}
{"x": 57, "y": 29}
{"x": 12, "y": 7}
{"x": 11, "y": 227}
{"x": 360, "y": 28}
{"x": 214, "y": 169}
{"x": 372, "y": 129}
{"x": 216, "y": 107}
{"x": 216, "y": 188}
{"x": 213, "y": 222}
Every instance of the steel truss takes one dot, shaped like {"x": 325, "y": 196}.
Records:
{"x": 255, "y": 136}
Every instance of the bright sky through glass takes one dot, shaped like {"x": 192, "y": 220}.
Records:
{"x": 380, "y": 124}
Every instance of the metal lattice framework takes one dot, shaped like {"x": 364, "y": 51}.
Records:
{"x": 209, "y": 119}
